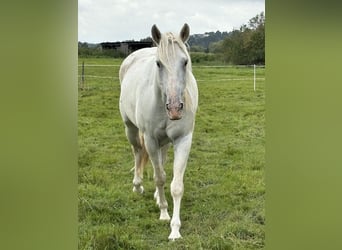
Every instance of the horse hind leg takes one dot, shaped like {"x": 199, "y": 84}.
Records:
{"x": 140, "y": 156}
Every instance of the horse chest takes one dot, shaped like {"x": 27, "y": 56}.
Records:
{"x": 169, "y": 132}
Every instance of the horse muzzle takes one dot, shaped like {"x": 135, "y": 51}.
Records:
{"x": 175, "y": 110}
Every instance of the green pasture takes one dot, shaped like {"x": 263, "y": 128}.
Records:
{"x": 224, "y": 198}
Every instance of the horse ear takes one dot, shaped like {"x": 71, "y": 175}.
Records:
{"x": 185, "y": 32}
{"x": 156, "y": 35}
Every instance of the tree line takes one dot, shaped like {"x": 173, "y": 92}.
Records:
{"x": 245, "y": 45}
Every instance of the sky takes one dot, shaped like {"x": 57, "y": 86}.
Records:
{"x": 120, "y": 20}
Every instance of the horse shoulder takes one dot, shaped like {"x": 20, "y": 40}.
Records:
{"x": 191, "y": 93}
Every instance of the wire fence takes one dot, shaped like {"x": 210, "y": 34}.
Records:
{"x": 193, "y": 66}
{"x": 253, "y": 76}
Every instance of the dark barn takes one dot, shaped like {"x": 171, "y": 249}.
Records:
{"x": 126, "y": 47}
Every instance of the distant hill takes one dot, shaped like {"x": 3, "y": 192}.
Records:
{"x": 204, "y": 40}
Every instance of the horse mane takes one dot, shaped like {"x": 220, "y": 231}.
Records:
{"x": 169, "y": 40}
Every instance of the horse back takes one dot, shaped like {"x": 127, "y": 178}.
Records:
{"x": 134, "y": 59}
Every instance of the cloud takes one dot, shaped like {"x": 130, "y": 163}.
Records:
{"x": 117, "y": 20}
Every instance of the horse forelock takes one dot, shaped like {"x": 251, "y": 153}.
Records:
{"x": 166, "y": 49}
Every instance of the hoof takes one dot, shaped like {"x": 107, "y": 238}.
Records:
{"x": 139, "y": 189}
{"x": 175, "y": 235}
{"x": 164, "y": 215}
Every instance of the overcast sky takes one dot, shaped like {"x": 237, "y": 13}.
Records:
{"x": 119, "y": 20}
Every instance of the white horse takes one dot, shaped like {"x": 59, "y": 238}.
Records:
{"x": 158, "y": 102}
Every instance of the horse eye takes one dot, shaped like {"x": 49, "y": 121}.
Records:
{"x": 186, "y": 62}
{"x": 158, "y": 64}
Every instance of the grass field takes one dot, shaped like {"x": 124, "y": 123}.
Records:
{"x": 224, "y": 198}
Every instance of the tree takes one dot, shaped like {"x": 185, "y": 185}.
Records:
{"x": 257, "y": 21}
{"x": 246, "y": 45}
{"x": 257, "y": 46}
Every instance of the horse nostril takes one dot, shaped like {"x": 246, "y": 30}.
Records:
{"x": 180, "y": 106}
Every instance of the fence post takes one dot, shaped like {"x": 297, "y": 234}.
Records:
{"x": 82, "y": 76}
{"x": 254, "y": 77}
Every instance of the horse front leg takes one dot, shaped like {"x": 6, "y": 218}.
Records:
{"x": 181, "y": 153}
{"x": 157, "y": 159}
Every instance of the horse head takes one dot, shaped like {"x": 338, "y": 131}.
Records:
{"x": 173, "y": 63}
